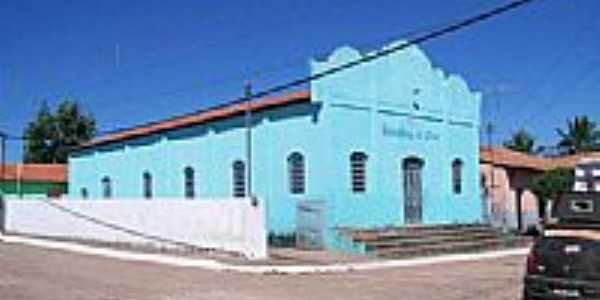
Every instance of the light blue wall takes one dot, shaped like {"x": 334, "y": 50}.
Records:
{"x": 392, "y": 108}
{"x": 211, "y": 149}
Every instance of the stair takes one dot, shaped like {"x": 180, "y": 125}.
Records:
{"x": 410, "y": 241}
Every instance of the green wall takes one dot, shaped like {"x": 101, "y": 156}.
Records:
{"x": 30, "y": 188}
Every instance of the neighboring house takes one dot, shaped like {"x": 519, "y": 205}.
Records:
{"x": 34, "y": 180}
{"x": 509, "y": 200}
{"x": 391, "y": 142}
{"x": 506, "y": 191}
{"x": 587, "y": 173}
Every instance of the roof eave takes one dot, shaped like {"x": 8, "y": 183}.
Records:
{"x": 209, "y": 115}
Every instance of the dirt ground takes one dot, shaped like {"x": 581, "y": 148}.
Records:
{"x": 30, "y": 273}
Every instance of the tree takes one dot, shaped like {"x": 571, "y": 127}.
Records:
{"x": 581, "y": 136}
{"x": 49, "y": 137}
{"x": 522, "y": 141}
{"x": 551, "y": 185}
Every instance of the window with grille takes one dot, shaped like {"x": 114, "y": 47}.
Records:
{"x": 147, "y": 185}
{"x": 358, "y": 168}
{"x": 296, "y": 173}
{"x": 106, "y": 188}
{"x": 457, "y": 166}
{"x": 189, "y": 182}
{"x": 239, "y": 179}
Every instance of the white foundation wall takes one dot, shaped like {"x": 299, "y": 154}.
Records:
{"x": 226, "y": 224}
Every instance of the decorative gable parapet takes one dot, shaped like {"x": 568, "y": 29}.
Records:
{"x": 404, "y": 81}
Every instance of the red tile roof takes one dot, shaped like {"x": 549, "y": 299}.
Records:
{"x": 55, "y": 173}
{"x": 514, "y": 159}
{"x": 200, "y": 117}
{"x": 510, "y": 158}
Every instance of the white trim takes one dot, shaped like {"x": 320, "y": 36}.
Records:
{"x": 214, "y": 265}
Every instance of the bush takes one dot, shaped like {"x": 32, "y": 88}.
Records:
{"x": 551, "y": 185}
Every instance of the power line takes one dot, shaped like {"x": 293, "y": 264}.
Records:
{"x": 422, "y": 38}
{"x": 453, "y": 27}
{"x": 285, "y": 66}
{"x": 290, "y": 64}
{"x": 384, "y": 52}
{"x": 228, "y": 80}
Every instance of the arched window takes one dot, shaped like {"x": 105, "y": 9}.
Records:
{"x": 296, "y": 175}
{"x": 358, "y": 169}
{"x": 84, "y": 193}
{"x": 457, "y": 166}
{"x": 147, "y": 184}
{"x": 106, "y": 187}
{"x": 189, "y": 182}
{"x": 239, "y": 179}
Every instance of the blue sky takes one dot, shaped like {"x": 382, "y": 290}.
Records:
{"x": 130, "y": 62}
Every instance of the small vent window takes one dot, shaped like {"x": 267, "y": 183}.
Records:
{"x": 106, "y": 188}
{"x": 457, "y": 168}
{"x": 147, "y": 182}
{"x": 239, "y": 179}
{"x": 189, "y": 182}
{"x": 296, "y": 173}
{"x": 358, "y": 164}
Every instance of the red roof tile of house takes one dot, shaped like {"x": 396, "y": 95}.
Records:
{"x": 510, "y": 158}
{"x": 200, "y": 117}
{"x": 54, "y": 173}
{"x": 514, "y": 159}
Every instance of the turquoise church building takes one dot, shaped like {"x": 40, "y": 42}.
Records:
{"x": 391, "y": 142}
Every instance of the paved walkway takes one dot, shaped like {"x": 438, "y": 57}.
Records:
{"x": 216, "y": 265}
{"x": 34, "y": 273}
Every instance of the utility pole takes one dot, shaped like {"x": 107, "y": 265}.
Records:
{"x": 248, "y": 123}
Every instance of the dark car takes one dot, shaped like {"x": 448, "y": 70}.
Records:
{"x": 564, "y": 262}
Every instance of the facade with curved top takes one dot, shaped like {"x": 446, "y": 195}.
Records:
{"x": 390, "y": 142}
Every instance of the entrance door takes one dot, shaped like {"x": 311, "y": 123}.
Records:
{"x": 413, "y": 190}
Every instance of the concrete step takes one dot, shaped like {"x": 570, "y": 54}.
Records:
{"x": 449, "y": 248}
{"x": 424, "y": 240}
{"x": 418, "y": 228}
{"x": 429, "y": 240}
{"x": 392, "y": 234}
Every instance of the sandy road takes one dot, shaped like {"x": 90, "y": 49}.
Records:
{"x": 30, "y": 273}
